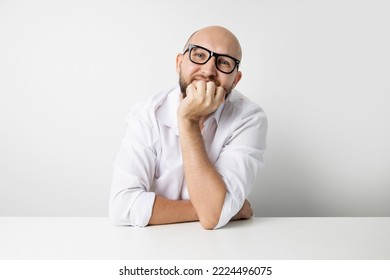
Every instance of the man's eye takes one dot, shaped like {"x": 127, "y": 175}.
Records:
{"x": 224, "y": 63}
{"x": 199, "y": 55}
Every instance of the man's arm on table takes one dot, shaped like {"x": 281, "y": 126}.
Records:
{"x": 166, "y": 211}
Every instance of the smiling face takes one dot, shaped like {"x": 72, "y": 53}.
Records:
{"x": 216, "y": 39}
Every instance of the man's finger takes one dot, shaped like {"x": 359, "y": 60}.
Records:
{"x": 220, "y": 94}
{"x": 210, "y": 90}
{"x": 200, "y": 86}
{"x": 190, "y": 89}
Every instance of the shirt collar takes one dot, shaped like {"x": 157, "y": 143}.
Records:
{"x": 166, "y": 113}
{"x": 217, "y": 114}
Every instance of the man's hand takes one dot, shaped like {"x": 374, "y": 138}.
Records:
{"x": 246, "y": 212}
{"x": 202, "y": 99}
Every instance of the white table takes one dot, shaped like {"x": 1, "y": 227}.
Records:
{"x": 258, "y": 238}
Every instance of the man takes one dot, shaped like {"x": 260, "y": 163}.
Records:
{"x": 192, "y": 153}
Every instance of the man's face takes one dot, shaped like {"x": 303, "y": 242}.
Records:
{"x": 189, "y": 72}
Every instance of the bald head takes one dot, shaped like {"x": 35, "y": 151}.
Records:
{"x": 218, "y": 39}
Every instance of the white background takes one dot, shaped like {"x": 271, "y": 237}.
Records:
{"x": 70, "y": 71}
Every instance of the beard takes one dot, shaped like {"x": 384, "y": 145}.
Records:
{"x": 184, "y": 84}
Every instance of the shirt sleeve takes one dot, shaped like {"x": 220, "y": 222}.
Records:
{"x": 131, "y": 201}
{"x": 240, "y": 160}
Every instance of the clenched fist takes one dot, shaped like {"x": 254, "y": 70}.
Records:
{"x": 202, "y": 99}
{"x": 246, "y": 212}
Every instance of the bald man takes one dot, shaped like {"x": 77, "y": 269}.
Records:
{"x": 192, "y": 153}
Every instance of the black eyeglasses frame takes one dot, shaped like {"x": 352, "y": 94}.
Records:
{"x": 216, "y": 55}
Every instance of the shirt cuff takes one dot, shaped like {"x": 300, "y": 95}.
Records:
{"x": 141, "y": 210}
{"x": 229, "y": 209}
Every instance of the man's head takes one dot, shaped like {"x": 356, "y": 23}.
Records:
{"x": 222, "y": 70}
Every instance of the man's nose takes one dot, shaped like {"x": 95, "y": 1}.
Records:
{"x": 209, "y": 67}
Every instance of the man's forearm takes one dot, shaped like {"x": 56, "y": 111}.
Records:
{"x": 205, "y": 186}
{"x": 166, "y": 211}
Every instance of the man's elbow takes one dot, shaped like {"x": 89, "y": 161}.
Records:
{"x": 209, "y": 222}
{"x": 209, "y": 217}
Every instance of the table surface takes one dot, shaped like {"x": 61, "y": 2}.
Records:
{"x": 258, "y": 238}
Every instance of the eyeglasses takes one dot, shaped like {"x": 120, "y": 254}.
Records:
{"x": 200, "y": 55}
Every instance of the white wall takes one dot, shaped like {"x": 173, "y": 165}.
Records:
{"x": 70, "y": 70}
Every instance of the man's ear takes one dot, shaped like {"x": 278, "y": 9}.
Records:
{"x": 237, "y": 78}
{"x": 179, "y": 59}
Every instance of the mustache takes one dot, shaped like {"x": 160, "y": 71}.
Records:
{"x": 207, "y": 79}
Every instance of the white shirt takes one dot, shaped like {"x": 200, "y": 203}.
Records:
{"x": 149, "y": 162}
